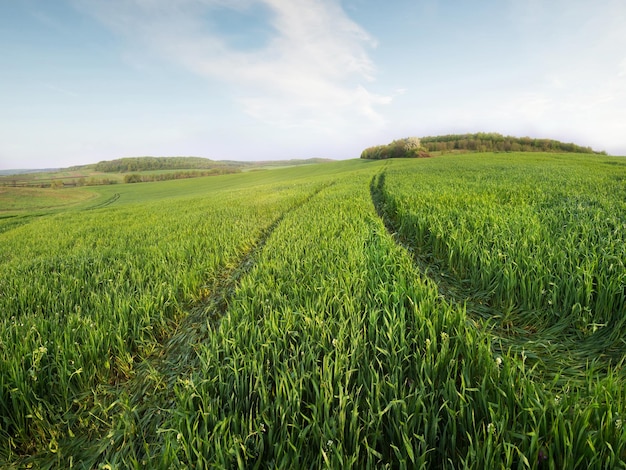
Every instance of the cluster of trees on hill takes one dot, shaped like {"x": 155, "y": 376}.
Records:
{"x": 144, "y": 178}
{"x": 493, "y": 142}
{"x": 125, "y": 165}
{"x": 410, "y": 147}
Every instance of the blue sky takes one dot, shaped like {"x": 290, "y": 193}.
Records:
{"x": 89, "y": 80}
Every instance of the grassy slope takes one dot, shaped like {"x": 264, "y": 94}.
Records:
{"x": 89, "y": 173}
{"x": 18, "y": 200}
{"x": 334, "y": 347}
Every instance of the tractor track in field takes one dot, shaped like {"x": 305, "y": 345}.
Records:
{"x": 194, "y": 327}
{"x": 150, "y": 391}
{"x": 555, "y": 354}
{"x": 448, "y": 287}
{"x": 15, "y": 221}
{"x": 104, "y": 203}
{"x": 18, "y": 220}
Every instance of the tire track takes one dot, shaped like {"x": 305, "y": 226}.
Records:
{"x": 8, "y": 223}
{"x": 104, "y": 203}
{"x": 147, "y": 399}
{"x": 209, "y": 311}
{"x": 448, "y": 287}
{"x": 551, "y": 350}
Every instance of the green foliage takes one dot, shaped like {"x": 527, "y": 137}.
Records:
{"x": 93, "y": 290}
{"x": 25, "y": 200}
{"x": 132, "y": 178}
{"x": 480, "y": 142}
{"x": 409, "y": 147}
{"x": 144, "y": 169}
{"x": 493, "y": 142}
{"x": 534, "y": 240}
{"x": 133, "y": 164}
{"x": 273, "y": 319}
{"x": 177, "y": 175}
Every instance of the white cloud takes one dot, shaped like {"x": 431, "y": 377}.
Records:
{"x": 311, "y": 71}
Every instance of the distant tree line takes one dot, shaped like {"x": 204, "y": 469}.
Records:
{"x": 131, "y": 164}
{"x": 145, "y": 178}
{"x": 410, "y": 147}
{"x": 493, "y": 142}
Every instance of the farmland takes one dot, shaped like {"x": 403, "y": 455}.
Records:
{"x": 461, "y": 311}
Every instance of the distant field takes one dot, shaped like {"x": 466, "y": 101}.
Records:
{"x": 92, "y": 175}
{"x": 70, "y": 177}
{"x": 24, "y": 199}
{"x": 461, "y": 311}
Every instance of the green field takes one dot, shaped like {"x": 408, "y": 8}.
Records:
{"x": 127, "y": 170}
{"x": 462, "y": 311}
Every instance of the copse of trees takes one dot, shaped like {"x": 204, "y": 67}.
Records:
{"x": 493, "y": 142}
{"x": 409, "y": 147}
{"x": 412, "y": 147}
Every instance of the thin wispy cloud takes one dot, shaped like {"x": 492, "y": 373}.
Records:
{"x": 313, "y": 69}
{"x": 60, "y": 90}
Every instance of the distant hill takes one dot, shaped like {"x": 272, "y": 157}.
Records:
{"x": 135, "y": 164}
{"x": 131, "y": 164}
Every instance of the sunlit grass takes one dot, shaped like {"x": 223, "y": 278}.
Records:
{"x": 270, "y": 319}
{"x": 543, "y": 234}
{"x": 15, "y": 200}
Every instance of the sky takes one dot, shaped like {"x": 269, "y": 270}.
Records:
{"x": 83, "y": 81}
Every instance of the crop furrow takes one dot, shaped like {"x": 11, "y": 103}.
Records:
{"x": 556, "y": 353}
{"x": 12, "y": 222}
{"x": 105, "y": 203}
{"x": 146, "y": 400}
{"x": 449, "y": 288}
{"x": 207, "y": 312}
